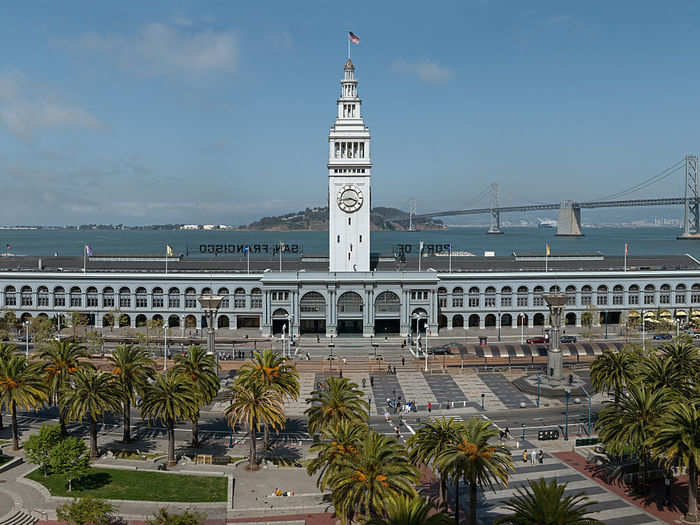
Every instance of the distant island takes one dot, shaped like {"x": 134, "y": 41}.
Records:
{"x": 316, "y": 219}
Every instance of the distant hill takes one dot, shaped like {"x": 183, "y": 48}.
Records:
{"x": 316, "y": 219}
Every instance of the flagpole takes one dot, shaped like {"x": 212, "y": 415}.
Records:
{"x": 546, "y": 257}
{"x": 280, "y": 256}
{"x": 166, "y": 259}
{"x": 625, "y": 256}
{"x": 450, "y": 257}
{"x": 248, "y": 257}
{"x": 84, "y": 258}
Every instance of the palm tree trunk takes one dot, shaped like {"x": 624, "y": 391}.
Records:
{"x": 1, "y": 423}
{"x": 93, "y": 438}
{"x": 472, "y": 503}
{"x": 127, "y": 421}
{"x": 252, "y": 460}
{"x": 443, "y": 491}
{"x": 171, "y": 443}
{"x": 457, "y": 501}
{"x": 692, "y": 515}
{"x": 195, "y": 430}
{"x": 15, "y": 430}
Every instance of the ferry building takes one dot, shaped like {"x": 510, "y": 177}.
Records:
{"x": 350, "y": 290}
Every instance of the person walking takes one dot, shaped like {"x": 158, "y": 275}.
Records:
{"x": 525, "y": 456}
{"x": 403, "y": 361}
{"x": 430, "y": 407}
{"x": 533, "y": 457}
{"x": 540, "y": 456}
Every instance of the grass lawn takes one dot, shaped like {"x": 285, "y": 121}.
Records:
{"x": 137, "y": 485}
{"x": 5, "y": 459}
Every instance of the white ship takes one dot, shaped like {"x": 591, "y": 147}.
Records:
{"x": 546, "y": 223}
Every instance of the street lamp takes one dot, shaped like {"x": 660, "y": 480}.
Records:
{"x": 26, "y": 338}
{"x": 331, "y": 345}
{"x": 284, "y": 330}
{"x": 165, "y": 347}
{"x": 418, "y": 318}
{"x": 211, "y": 304}
{"x": 521, "y": 321}
{"x": 556, "y": 302}
{"x": 566, "y": 423}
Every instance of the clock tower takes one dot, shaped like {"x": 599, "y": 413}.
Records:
{"x": 349, "y": 168}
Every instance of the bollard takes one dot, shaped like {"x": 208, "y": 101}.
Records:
{"x": 523, "y": 425}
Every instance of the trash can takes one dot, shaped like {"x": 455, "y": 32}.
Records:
{"x": 483, "y": 341}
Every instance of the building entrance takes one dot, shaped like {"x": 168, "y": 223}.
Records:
{"x": 349, "y": 326}
{"x": 312, "y": 326}
{"x": 387, "y": 326}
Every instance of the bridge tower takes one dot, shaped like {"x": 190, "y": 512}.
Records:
{"x": 495, "y": 222}
{"x": 569, "y": 222}
{"x": 691, "y": 207}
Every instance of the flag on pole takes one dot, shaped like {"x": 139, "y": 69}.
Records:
{"x": 421, "y": 248}
{"x": 627, "y": 249}
{"x": 168, "y": 250}
{"x": 353, "y": 37}
{"x": 547, "y": 249}
{"x": 246, "y": 249}
{"x": 9, "y": 246}
{"x": 88, "y": 250}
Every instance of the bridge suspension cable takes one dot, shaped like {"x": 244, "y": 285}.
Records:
{"x": 646, "y": 182}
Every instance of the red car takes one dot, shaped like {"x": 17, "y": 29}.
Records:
{"x": 536, "y": 340}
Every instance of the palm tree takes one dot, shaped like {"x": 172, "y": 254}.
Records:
{"x": 201, "y": 370}
{"x": 91, "y": 393}
{"x": 543, "y": 503}
{"x": 676, "y": 439}
{"x": 61, "y": 360}
{"x": 133, "y": 368}
{"x": 341, "y": 399}
{"x": 341, "y": 440}
{"x": 364, "y": 481}
{"x": 685, "y": 357}
{"x": 7, "y": 350}
{"x": 169, "y": 398}
{"x": 612, "y": 371}
{"x": 273, "y": 371}
{"x": 658, "y": 371}
{"x": 254, "y": 405}
{"x": 404, "y": 510}
{"x": 21, "y": 384}
{"x": 630, "y": 421}
{"x": 476, "y": 462}
{"x": 429, "y": 443}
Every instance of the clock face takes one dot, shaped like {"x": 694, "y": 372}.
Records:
{"x": 349, "y": 198}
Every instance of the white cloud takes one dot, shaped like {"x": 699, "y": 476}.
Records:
{"x": 425, "y": 71}
{"x": 165, "y": 48}
{"x": 24, "y": 115}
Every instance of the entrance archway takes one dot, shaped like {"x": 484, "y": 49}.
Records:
{"x": 190, "y": 321}
{"x": 173, "y": 321}
{"x": 571, "y": 319}
{"x": 538, "y": 320}
{"x": 442, "y": 321}
{"x": 280, "y": 318}
{"x": 140, "y": 320}
{"x": 222, "y": 321}
{"x": 419, "y": 314}
{"x": 474, "y": 321}
{"x": 522, "y": 320}
{"x": 490, "y": 321}
{"x": 387, "y": 313}
{"x": 507, "y": 320}
{"x": 312, "y": 313}
{"x": 458, "y": 321}
{"x": 350, "y": 307}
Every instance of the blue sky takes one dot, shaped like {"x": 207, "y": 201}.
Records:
{"x": 219, "y": 112}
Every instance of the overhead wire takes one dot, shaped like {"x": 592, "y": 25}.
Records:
{"x": 658, "y": 177}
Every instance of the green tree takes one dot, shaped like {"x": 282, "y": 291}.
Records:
{"x": 685, "y": 357}
{"x": 40, "y": 329}
{"x": 21, "y": 384}
{"x": 168, "y": 399}
{"x": 95, "y": 341}
{"x": 254, "y": 405}
{"x": 630, "y": 420}
{"x": 363, "y": 482}
{"x": 201, "y": 370}
{"x": 339, "y": 441}
{"x": 405, "y": 510}
{"x": 544, "y": 503}
{"x": 188, "y": 517}
{"x": 477, "y": 462}
{"x": 86, "y": 510}
{"x": 430, "y": 442}
{"x": 69, "y": 458}
{"x": 612, "y": 371}
{"x": 676, "y": 440}
{"x": 91, "y": 394}
{"x": 11, "y": 321}
{"x": 133, "y": 368}
{"x": 61, "y": 359}
{"x": 658, "y": 371}
{"x": 7, "y": 350}
{"x": 37, "y": 448}
{"x": 340, "y": 399}
{"x": 274, "y": 372}
{"x": 77, "y": 321}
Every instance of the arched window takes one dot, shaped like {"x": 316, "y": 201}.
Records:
{"x": 59, "y": 296}
{"x": 507, "y": 296}
{"x": 206, "y": 291}
{"x": 442, "y": 297}
{"x": 458, "y": 297}
{"x": 387, "y": 302}
{"x": 76, "y": 299}
{"x": 695, "y": 293}
{"x": 108, "y": 297}
{"x": 256, "y": 298}
{"x": 157, "y": 297}
{"x": 141, "y": 297}
{"x": 350, "y": 302}
{"x": 522, "y": 295}
{"x": 92, "y": 297}
{"x": 10, "y": 296}
{"x": 191, "y": 298}
{"x": 586, "y": 295}
{"x": 312, "y": 303}
{"x": 665, "y": 294}
{"x": 124, "y": 297}
{"x": 633, "y": 294}
{"x": 26, "y": 296}
{"x": 618, "y": 294}
{"x": 223, "y": 292}
{"x": 554, "y": 289}
{"x": 570, "y": 295}
{"x": 649, "y": 294}
{"x": 174, "y": 300}
{"x": 680, "y": 294}
{"x": 239, "y": 298}
{"x": 602, "y": 295}
{"x": 43, "y": 296}
{"x": 537, "y": 299}
{"x": 490, "y": 297}
{"x": 473, "y": 297}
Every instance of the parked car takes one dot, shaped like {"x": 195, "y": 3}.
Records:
{"x": 567, "y": 339}
{"x": 536, "y": 340}
{"x": 440, "y": 351}
{"x": 662, "y": 337}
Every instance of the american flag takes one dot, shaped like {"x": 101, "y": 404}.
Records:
{"x": 353, "y": 37}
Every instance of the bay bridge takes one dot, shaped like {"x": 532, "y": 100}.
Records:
{"x": 569, "y": 221}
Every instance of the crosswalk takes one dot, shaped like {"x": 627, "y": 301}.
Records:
{"x": 607, "y": 506}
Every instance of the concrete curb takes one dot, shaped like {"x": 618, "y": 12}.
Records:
{"x": 12, "y": 463}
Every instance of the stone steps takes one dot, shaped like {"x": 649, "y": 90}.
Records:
{"x": 20, "y": 518}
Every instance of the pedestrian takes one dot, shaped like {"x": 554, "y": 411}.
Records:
{"x": 430, "y": 407}
{"x": 341, "y": 373}
{"x": 533, "y": 457}
{"x": 403, "y": 361}
{"x": 344, "y": 361}
{"x": 364, "y": 383}
{"x": 540, "y": 456}
{"x": 667, "y": 489}
{"x": 398, "y": 432}
{"x": 371, "y": 381}
{"x": 506, "y": 432}
{"x": 525, "y": 456}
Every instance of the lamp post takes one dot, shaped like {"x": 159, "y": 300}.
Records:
{"x": 418, "y": 318}
{"x": 556, "y": 302}
{"x": 521, "y": 320}
{"x": 165, "y": 347}
{"x": 211, "y": 304}
{"x": 26, "y": 338}
{"x": 331, "y": 345}
{"x": 566, "y": 422}
{"x": 499, "y": 326}
{"x": 284, "y": 330}
{"x": 589, "y": 409}
{"x": 539, "y": 384}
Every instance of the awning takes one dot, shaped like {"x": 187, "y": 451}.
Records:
{"x": 649, "y": 315}
{"x": 681, "y": 313}
{"x": 633, "y": 314}
{"x": 665, "y": 313}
